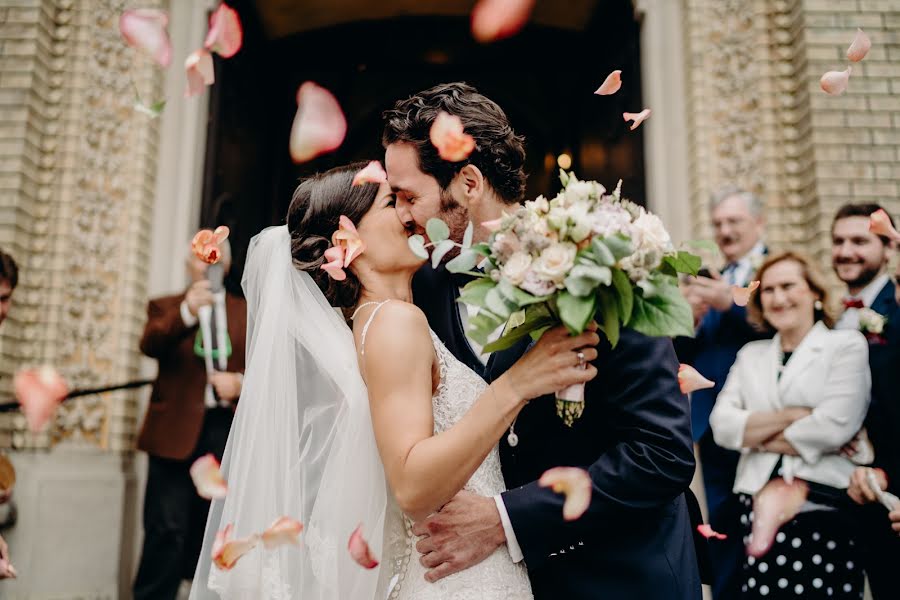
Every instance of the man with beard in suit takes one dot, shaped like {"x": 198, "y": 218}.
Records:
{"x": 636, "y": 538}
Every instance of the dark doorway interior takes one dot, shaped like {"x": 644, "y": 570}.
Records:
{"x": 544, "y": 79}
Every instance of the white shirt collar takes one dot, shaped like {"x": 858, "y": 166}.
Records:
{"x": 744, "y": 267}
{"x": 871, "y": 291}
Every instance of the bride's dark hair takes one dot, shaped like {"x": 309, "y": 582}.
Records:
{"x": 313, "y": 215}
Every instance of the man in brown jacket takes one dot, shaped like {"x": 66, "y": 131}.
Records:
{"x": 180, "y": 427}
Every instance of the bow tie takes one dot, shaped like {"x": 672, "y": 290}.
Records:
{"x": 853, "y": 303}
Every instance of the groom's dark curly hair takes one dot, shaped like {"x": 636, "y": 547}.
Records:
{"x": 499, "y": 153}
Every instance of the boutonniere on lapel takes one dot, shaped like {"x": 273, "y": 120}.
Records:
{"x": 871, "y": 324}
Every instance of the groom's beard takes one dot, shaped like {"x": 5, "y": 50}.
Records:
{"x": 456, "y": 216}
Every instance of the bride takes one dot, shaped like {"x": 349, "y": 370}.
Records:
{"x": 374, "y": 424}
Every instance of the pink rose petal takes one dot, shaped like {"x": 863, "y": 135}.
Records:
{"x": 860, "y": 46}
{"x": 835, "y": 82}
{"x": 319, "y": 125}
{"x": 359, "y": 550}
{"x": 39, "y": 391}
{"x": 208, "y": 478}
{"x": 200, "y": 73}
{"x": 611, "y": 85}
{"x": 284, "y": 530}
{"x": 371, "y": 173}
{"x": 494, "y": 20}
{"x": 448, "y": 136}
{"x": 708, "y": 532}
{"x": 741, "y": 295}
{"x": 880, "y": 224}
{"x": 225, "y": 32}
{"x": 575, "y": 484}
{"x": 773, "y": 506}
{"x": 226, "y": 551}
{"x": 690, "y": 380}
{"x": 335, "y": 263}
{"x": 205, "y": 245}
{"x": 145, "y": 29}
{"x": 638, "y": 118}
{"x": 348, "y": 238}
{"x": 221, "y": 234}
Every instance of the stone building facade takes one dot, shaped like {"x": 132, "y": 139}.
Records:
{"x": 96, "y": 201}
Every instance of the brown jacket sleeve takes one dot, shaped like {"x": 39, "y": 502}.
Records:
{"x": 164, "y": 327}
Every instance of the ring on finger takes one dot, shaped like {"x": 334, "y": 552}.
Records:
{"x": 582, "y": 361}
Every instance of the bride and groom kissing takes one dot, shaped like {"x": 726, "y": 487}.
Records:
{"x": 401, "y": 424}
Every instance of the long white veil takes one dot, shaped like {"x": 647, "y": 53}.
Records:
{"x": 301, "y": 446}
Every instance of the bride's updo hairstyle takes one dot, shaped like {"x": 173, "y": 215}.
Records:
{"x": 316, "y": 207}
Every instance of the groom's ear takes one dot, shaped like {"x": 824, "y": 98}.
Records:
{"x": 470, "y": 184}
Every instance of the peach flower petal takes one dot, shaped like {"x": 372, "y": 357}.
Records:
{"x": 708, "y": 532}
{"x": 447, "y": 135}
{"x": 221, "y": 234}
{"x": 638, "y": 118}
{"x": 319, "y": 125}
{"x": 335, "y": 264}
{"x": 773, "y": 506}
{"x": 860, "y": 46}
{"x": 494, "y": 20}
{"x": 611, "y": 84}
{"x": 690, "y": 380}
{"x": 200, "y": 73}
{"x": 226, "y": 551}
{"x": 575, "y": 484}
{"x": 880, "y": 224}
{"x": 225, "y": 34}
{"x": 39, "y": 391}
{"x": 371, "y": 173}
{"x": 205, "y": 244}
{"x": 360, "y": 551}
{"x": 741, "y": 295}
{"x": 145, "y": 29}
{"x": 835, "y": 82}
{"x": 208, "y": 478}
{"x": 284, "y": 530}
{"x": 348, "y": 239}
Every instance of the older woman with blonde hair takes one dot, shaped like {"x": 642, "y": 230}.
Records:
{"x": 789, "y": 405}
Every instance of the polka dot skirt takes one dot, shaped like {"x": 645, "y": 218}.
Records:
{"x": 813, "y": 556}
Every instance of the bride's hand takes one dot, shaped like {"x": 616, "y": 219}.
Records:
{"x": 554, "y": 363}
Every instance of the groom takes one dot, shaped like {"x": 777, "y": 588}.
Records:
{"x": 636, "y": 539}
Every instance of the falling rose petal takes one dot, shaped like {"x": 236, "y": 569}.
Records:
{"x": 773, "y": 506}
{"x": 221, "y": 234}
{"x": 201, "y": 239}
{"x": 371, "y": 173}
{"x": 575, "y": 484}
{"x": 708, "y": 532}
{"x": 39, "y": 391}
{"x": 211, "y": 254}
{"x": 359, "y": 550}
{"x": 690, "y": 380}
{"x": 319, "y": 125}
{"x": 638, "y": 118}
{"x": 447, "y": 135}
{"x": 860, "y": 46}
{"x": 494, "y": 20}
{"x": 226, "y": 551}
{"x": 285, "y": 530}
{"x": 493, "y": 225}
{"x": 145, "y": 29}
{"x": 741, "y": 295}
{"x": 835, "y": 82}
{"x": 225, "y": 32}
{"x": 200, "y": 73}
{"x": 880, "y": 224}
{"x": 208, "y": 478}
{"x": 611, "y": 84}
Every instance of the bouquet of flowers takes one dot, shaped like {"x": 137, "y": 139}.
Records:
{"x": 584, "y": 255}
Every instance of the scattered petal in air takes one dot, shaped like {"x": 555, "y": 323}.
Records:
{"x": 493, "y": 225}
{"x": 359, "y": 549}
{"x": 638, "y": 118}
{"x": 575, "y": 484}
{"x": 835, "y": 82}
{"x": 880, "y": 224}
{"x": 39, "y": 391}
{"x": 226, "y": 551}
{"x": 741, "y": 295}
{"x": 7, "y": 570}
{"x": 708, "y": 532}
{"x": 208, "y": 478}
{"x": 145, "y": 29}
{"x": 494, "y": 20}
{"x": 371, "y": 173}
{"x": 200, "y": 72}
{"x": 319, "y": 125}
{"x": 225, "y": 33}
{"x": 860, "y": 46}
{"x": 447, "y": 135}
{"x": 611, "y": 85}
{"x": 773, "y": 506}
{"x": 285, "y": 530}
{"x": 690, "y": 380}
{"x": 221, "y": 234}
{"x": 205, "y": 244}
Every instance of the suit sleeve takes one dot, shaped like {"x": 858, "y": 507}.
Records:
{"x": 651, "y": 464}
{"x": 164, "y": 328}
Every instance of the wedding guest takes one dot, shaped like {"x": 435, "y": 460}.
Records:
{"x": 789, "y": 405}
{"x": 739, "y": 225}
{"x": 180, "y": 426}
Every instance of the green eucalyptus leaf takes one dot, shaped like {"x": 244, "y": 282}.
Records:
{"x": 466, "y": 261}
{"x": 440, "y": 250}
{"x": 497, "y": 304}
{"x": 437, "y": 230}
{"x": 517, "y": 295}
{"x": 602, "y": 253}
{"x": 475, "y": 291}
{"x": 575, "y": 312}
{"x": 417, "y": 246}
{"x": 482, "y": 325}
{"x": 619, "y": 245}
{"x": 482, "y": 249}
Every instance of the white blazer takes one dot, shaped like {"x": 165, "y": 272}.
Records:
{"x": 829, "y": 373}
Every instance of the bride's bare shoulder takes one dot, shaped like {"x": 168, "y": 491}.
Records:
{"x": 396, "y": 321}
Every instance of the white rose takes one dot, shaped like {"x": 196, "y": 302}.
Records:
{"x": 539, "y": 205}
{"x": 580, "y": 190}
{"x": 536, "y": 286}
{"x": 516, "y": 267}
{"x": 556, "y": 261}
{"x": 580, "y": 221}
{"x": 649, "y": 233}
{"x": 505, "y": 244}
{"x": 870, "y": 321}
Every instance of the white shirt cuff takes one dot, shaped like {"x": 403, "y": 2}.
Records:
{"x": 186, "y": 316}
{"x": 515, "y": 553}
